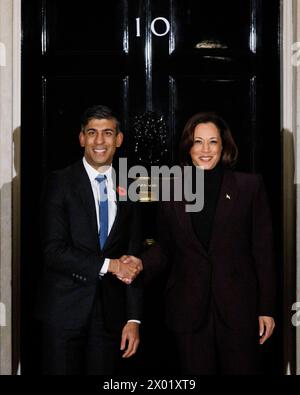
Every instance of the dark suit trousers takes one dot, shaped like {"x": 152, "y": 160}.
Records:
{"x": 219, "y": 349}
{"x": 90, "y": 350}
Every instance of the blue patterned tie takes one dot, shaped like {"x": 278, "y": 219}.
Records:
{"x": 103, "y": 210}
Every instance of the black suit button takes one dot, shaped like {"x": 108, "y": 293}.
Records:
{"x": 84, "y": 279}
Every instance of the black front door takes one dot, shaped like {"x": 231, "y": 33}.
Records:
{"x": 156, "y": 63}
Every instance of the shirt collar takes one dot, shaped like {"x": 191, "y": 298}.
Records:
{"x": 93, "y": 173}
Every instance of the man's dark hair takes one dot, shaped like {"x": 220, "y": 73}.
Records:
{"x": 229, "y": 152}
{"x": 99, "y": 111}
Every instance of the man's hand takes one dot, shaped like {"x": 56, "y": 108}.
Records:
{"x": 130, "y": 335}
{"x": 126, "y": 268}
{"x": 266, "y": 327}
{"x": 131, "y": 260}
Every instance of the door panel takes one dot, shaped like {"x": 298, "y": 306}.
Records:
{"x": 216, "y": 26}
{"x": 223, "y": 95}
{"x": 62, "y": 116}
{"x": 96, "y": 27}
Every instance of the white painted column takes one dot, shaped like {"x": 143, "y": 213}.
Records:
{"x": 10, "y": 27}
{"x": 16, "y": 187}
{"x": 297, "y": 178}
{"x": 290, "y": 22}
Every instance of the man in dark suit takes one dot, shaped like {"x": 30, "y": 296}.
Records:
{"x": 88, "y": 313}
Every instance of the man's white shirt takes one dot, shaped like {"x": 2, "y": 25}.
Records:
{"x": 111, "y": 199}
{"x": 112, "y": 204}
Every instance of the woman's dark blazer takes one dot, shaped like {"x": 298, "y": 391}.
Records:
{"x": 238, "y": 269}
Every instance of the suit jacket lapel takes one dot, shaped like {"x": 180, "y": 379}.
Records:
{"x": 185, "y": 222}
{"x": 117, "y": 218}
{"x": 225, "y": 206}
{"x": 83, "y": 185}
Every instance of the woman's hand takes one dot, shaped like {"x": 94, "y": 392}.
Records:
{"x": 266, "y": 327}
{"x": 130, "y": 339}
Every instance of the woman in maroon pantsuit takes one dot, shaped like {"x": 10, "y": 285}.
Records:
{"x": 220, "y": 291}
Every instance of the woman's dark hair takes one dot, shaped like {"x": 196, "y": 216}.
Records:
{"x": 229, "y": 152}
{"x": 99, "y": 112}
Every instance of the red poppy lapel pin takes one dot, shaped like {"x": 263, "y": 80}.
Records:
{"x": 121, "y": 191}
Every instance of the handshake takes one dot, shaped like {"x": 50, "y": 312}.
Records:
{"x": 125, "y": 268}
